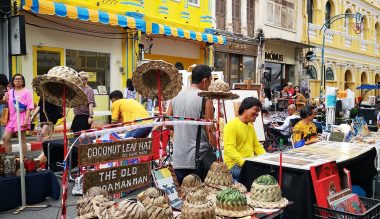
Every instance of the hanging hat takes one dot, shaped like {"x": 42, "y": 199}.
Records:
{"x": 197, "y": 205}
{"x": 232, "y": 203}
{"x": 218, "y": 90}
{"x": 219, "y": 176}
{"x": 266, "y": 193}
{"x": 50, "y": 86}
{"x": 145, "y": 80}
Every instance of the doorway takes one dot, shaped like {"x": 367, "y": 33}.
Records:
{"x": 45, "y": 58}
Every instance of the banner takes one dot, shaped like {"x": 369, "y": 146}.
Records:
{"x": 89, "y": 154}
{"x": 118, "y": 179}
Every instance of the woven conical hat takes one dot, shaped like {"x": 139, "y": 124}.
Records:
{"x": 144, "y": 79}
{"x": 219, "y": 90}
{"x": 50, "y": 86}
{"x": 197, "y": 206}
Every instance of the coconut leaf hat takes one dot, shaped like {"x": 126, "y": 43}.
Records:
{"x": 145, "y": 79}
{"x": 266, "y": 193}
{"x": 232, "y": 203}
{"x": 50, "y": 86}
{"x": 219, "y": 90}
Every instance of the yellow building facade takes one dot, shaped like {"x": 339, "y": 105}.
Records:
{"x": 351, "y": 57}
{"x": 109, "y": 38}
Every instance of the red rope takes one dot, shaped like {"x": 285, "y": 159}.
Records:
{"x": 159, "y": 95}
{"x": 64, "y": 178}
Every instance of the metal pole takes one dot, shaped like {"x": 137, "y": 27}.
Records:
{"x": 22, "y": 169}
{"x": 322, "y": 65}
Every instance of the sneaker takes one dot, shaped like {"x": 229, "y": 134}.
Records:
{"x": 78, "y": 187}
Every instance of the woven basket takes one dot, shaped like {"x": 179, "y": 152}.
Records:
{"x": 145, "y": 80}
{"x": 267, "y": 196}
{"x": 50, "y": 87}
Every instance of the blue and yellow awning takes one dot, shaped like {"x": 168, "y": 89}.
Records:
{"x": 81, "y": 13}
{"x": 86, "y": 14}
{"x": 154, "y": 28}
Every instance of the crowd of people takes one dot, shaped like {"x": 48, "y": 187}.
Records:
{"x": 239, "y": 136}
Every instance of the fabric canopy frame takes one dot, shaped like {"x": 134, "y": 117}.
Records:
{"x": 82, "y": 13}
{"x": 86, "y": 14}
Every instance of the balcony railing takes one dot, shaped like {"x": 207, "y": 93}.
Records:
{"x": 313, "y": 29}
{"x": 376, "y": 48}
{"x": 348, "y": 40}
{"x": 329, "y": 34}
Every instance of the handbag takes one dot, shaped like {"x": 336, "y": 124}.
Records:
{"x": 203, "y": 162}
{"x": 4, "y": 116}
{"x": 21, "y": 106}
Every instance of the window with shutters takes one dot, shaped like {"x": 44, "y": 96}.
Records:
{"x": 280, "y": 13}
{"x": 220, "y": 14}
{"x": 236, "y": 16}
{"x": 251, "y": 17}
{"x": 329, "y": 74}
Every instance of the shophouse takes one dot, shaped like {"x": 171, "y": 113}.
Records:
{"x": 109, "y": 39}
{"x": 351, "y": 54}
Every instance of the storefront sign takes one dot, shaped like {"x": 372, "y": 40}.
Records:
{"x": 238, "y": 48}
{"x": 118, "y": 179}
{"x": 274, "y": 56}
{"x": 90, "y": 154}
{"x": 91, "y": 76}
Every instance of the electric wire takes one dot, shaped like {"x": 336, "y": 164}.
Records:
{"x": 76, "y": 27}
{"x": 85, "y": 34}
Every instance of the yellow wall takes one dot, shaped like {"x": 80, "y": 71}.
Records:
{"x": 340, "y": 63}
{"x": 162, "y": 11}
{"x": 172, "y": 59}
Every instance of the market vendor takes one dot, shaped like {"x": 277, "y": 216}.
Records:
{"x": 240, "y": 140}
{"x": 305, "y": 131}
{"x": 128, "y": 110}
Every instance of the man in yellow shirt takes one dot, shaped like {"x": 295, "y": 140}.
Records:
{"x": 240, "y": 140}
{"x": 128, "y": 110}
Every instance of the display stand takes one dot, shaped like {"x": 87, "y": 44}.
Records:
{"x": 22, "y": 168}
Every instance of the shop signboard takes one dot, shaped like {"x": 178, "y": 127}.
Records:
{"x": 91, "y": 76}
{"x": 90, "y": 154}
{"x": 118, "y": 179}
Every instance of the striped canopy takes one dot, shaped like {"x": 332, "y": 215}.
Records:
{"x": 85, "y": 14}
{"x": 81, "y": 13}
{"x": 154, "y": 28}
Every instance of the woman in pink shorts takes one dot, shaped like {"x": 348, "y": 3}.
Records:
{"x": 25, "y": 104}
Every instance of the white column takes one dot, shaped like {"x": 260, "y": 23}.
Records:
{"x": 243, "y": 11}
{"x": 229, "y": 16}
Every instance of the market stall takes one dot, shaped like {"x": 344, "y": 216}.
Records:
{"x": 297, "y": 185}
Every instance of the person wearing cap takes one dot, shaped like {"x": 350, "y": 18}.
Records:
{"x": 129, "y": 110}
{"x": 84, "y": 115}
{"x": 240, "y": 139}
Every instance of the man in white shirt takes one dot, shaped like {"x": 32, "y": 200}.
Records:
{"x": 284, "y": 129}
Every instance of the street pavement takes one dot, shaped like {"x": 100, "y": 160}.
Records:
{"x": 54, "y": 206}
